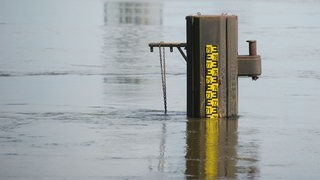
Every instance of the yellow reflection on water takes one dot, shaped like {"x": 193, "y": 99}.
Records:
{"x": 211, "y": 162}
{"x": 211, "y": 148}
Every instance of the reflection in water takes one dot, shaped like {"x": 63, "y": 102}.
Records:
{"x": 162, "y": 148}
{"x": 139, "y": 13}
{"x": 127, "y": 31}
{"x": 123, "y": 80}
{"x": 125, "y": 37}
{"x": 211, "y": 149}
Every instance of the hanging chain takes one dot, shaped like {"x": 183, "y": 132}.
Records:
{"x": 163, "y": 76}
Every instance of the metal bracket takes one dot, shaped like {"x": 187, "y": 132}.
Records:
{"x": 250, "y": 65}
{"x": 171, "y": 46}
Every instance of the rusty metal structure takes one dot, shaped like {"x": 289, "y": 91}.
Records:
{"x": 213, "y": 65}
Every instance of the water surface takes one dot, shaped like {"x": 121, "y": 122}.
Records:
{"x": 80, "y": 93}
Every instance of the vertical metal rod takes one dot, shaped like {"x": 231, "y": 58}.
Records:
{"x": 252, "y": 47}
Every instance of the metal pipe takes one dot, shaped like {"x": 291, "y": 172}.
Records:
{"x": 252, "y": 47}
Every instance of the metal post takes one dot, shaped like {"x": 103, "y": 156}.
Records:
{"x": 213, "y": 65}
{"x": 212, "y": 77}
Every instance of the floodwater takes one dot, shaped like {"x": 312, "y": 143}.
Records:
{"x": 81, "y": 96}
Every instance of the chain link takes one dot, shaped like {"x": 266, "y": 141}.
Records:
{"x": 163, "y": 76}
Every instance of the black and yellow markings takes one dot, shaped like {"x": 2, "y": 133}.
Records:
{"x": 212, "y": 78}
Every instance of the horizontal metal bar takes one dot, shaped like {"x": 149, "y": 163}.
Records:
{"x": 171, "y": 46}
{"x": 164, "y": 44}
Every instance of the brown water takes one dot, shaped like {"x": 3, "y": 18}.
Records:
{"x": 80, "y": 93}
